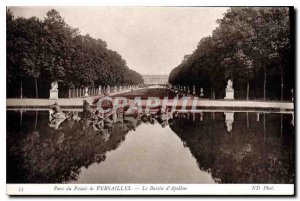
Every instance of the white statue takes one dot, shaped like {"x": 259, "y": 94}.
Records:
{"x": 54, "y": 86}
{"x": 229, "y": 91}
{"x": 229, "y": 84}
{"x": 86, "y": 94}
{"x": 54, "y": 91}
{"x": 201, "y": 92}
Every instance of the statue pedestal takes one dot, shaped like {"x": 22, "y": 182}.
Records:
{"x": 229, "y": 94}
{"x": 53, "y": 94}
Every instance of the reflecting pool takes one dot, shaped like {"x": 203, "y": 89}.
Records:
{"x": 200, "y": 147}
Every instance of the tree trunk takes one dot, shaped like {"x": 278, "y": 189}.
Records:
{"x": 264, "y": 127}
{"x": 281, "y": 75}
{"x": 265, "y": 82}
{"x": 247, "y": 90}
{"x": 281, "y": 125}
{"x": 21, "y": 90}
{"x": 36, "y": 88}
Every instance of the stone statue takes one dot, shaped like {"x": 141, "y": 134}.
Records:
{"x": 201, "y": 92}
{"x": 229, "y": 84}
{"x": 229, "y": 91}
{"x": 54, "y": 91}
{"x": 54, "y": 86}
{"x": 86, "y": 89}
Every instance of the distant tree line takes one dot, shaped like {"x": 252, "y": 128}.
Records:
{"x": 42, "y": 51}
{"x": 250, "y": 46}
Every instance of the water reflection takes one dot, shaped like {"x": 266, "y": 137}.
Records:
{"x": 228, "y": 147}
{"x": 229, "y": 119}
{"x": 257, "y": 152}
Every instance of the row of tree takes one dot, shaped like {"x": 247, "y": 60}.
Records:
{"x": 250, "y": 46}
{"x": 42, "y": 51}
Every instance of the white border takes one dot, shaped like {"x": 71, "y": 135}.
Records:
{"x": 150, "y": 189}
{"x": 149, "y": 3}
{"x": 4, "y": 3}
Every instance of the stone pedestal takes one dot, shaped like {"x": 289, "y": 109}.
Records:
{"x": 229, "y": 94}
{"x": 53, "y": 94}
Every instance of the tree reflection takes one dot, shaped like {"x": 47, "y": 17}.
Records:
{"x": 241, "y": 156}
{"x": 253, "y": 151}
{"x": 50, "y": 154}
{"x": 55, "y": 148}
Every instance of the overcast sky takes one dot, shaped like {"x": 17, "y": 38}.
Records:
{"x": 152, "y": 40}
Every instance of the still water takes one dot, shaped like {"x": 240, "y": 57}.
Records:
{"x": 204, "y": 147}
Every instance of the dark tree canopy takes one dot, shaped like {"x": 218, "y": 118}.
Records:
{"x": 50, "y": 50}
{"x": 250, "y": 46}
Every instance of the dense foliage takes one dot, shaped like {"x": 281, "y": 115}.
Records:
{"x": 42, "y": 51}
{"x": 251, "y": 46}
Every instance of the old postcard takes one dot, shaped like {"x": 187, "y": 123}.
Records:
{"x": 124, "y": 100}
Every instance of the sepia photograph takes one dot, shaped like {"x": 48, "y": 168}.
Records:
{"x": 150, "y": 100}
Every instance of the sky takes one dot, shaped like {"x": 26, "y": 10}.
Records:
{"x": 152, "y": 40}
